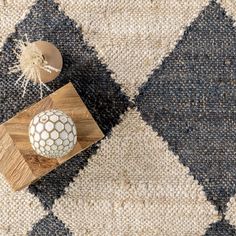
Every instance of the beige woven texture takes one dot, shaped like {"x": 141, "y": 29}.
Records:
{"x": 133, "y": 36}
{"x": 18, "y": 211}
{"x": 11, "y": 12}
{"x": 130, "y": 188}
{"x": 231, "y": 211}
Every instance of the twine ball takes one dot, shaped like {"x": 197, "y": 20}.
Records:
{"x": 52, "y": 133}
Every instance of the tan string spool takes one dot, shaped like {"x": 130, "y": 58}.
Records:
{"x": 40, "y": 62}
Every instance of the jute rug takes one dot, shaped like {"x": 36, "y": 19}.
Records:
{"x": 159, "y": 77}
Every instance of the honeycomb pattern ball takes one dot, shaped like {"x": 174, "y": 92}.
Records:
{"x": 52, "y": 133}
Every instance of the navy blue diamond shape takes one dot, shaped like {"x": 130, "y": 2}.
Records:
{"x": 82, "y": 67}
{"x": 221, "y": 228}
{"x": 50, "y": 225}
{"x": 190, "y": 101}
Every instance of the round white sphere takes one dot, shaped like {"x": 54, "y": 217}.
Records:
{"x": 52, "y": 133}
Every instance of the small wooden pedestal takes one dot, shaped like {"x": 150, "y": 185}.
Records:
{"x": 19, "y": 163}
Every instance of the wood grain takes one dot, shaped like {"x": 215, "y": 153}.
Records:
{"x": 19, "y": 163}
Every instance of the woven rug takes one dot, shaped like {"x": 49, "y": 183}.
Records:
{"x": 159, "y": 77}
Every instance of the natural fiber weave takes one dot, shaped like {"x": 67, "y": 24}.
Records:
{"x": 159, "y": 78}
{"x": 135, "y": 189}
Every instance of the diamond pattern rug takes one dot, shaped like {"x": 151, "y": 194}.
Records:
{"x": 159, "y": 78}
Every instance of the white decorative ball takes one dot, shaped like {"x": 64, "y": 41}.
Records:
{"x": 52, "y": 133}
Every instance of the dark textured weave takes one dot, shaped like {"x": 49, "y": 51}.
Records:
{"x": 190, "y": 101}
{"x": 50, "y": 226}
{"x": 221, "y": 228}
{"x": 82, "y": 67}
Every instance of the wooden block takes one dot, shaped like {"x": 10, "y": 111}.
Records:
{"x": 19, "y": 163}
